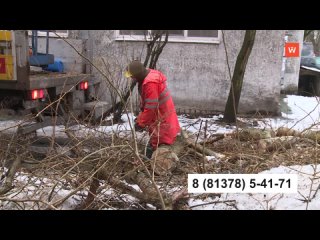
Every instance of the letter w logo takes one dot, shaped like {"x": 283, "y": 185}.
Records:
{"x": 292, "y": 50}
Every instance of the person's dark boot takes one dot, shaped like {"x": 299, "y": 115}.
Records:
{"x": 149, "y": 152}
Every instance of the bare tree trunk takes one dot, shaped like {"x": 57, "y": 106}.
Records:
{"x": 316, "y": 42}
{"x": 314, "y": 37}
{"x": 237, "y": 78}
{"x": 306, "y": 34}
{"x": 154, "y": 49}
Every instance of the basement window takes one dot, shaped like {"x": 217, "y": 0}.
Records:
{"x": 192, "y": 36}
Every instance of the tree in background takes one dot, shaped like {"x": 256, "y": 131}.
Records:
{"x": 231, "y": 108}
{"x": 154, "y": 48}
{"x": 306, "y": 34}
{"x": 314, "y": 37}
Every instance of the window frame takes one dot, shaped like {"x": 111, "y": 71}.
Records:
{"x": 181, "y": 39}
{"x": 51, "y": 34}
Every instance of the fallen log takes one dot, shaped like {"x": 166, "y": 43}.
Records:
{"x": 6, "y": 186}
{"x": 198, "y": 147}
{"x": 284, "y": 131}
{"x": 253, "y": 134}
{"x": 284, "y": 142}
{"x": 313, "y": 135}
{"x": 213, "y": 140}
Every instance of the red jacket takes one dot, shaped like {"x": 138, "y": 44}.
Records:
{"x": 158, "y": 111}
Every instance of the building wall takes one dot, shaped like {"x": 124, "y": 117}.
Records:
{"x": 292, "y": 65}
{"x": 197, "y": 73}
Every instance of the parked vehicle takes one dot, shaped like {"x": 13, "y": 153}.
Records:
{"x": 308, "y": 58}
{"x": 21, "y": 86}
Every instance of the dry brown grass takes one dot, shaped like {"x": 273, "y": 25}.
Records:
{"x": 70, "y": 168}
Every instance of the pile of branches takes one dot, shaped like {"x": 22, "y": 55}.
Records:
{"x": 255, "y": 150}
{"x": 110, "y": 171}
{"x": 93, "y": 171}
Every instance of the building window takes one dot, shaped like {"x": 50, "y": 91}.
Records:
{"x": 61, "y": 33}
{"x": 203, "y": 33}
{"x": 196, "y": 36}
{"x": 134, "y": 32}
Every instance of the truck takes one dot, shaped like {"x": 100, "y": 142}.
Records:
{"x": 27, "y": 82}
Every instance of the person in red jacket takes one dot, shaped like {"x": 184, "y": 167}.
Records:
{"x": 158, "y": 112}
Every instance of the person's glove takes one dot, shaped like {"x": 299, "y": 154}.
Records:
{"x": 137, "y": 127}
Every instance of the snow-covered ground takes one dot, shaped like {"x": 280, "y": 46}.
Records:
{"x": 300, "y": 113}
